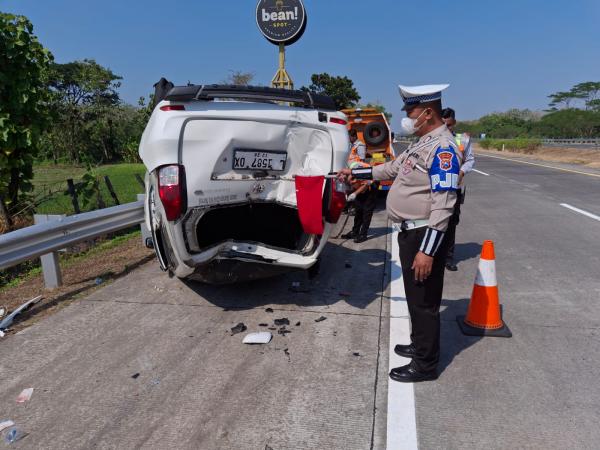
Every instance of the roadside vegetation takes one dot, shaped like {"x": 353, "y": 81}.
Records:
{"x": 572, "y": 114}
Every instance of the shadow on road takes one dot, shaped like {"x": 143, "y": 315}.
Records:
{"x": 453, "y": 341}
{"x": 466, "y": 251}
{"x": 351, "y": 275}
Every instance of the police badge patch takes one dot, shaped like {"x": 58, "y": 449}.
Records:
{"x": 444, "y": 170}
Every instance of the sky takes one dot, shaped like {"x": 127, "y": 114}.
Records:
{"x": 496, "y": 54}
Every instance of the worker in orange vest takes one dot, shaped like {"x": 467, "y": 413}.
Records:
{"x": 364, "y": 193}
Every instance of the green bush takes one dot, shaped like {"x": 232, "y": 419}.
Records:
{"x": 523, "y": 145}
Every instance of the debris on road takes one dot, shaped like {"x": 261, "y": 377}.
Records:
{"x": 263, "y": 324}
{"x": 8, "y": 320}
{"x": 2, "y": 312}
{"x": 25, "y": 395}
{"x": 272, "y": 328}
{"x": 297, "y": 324}
{"x": 6, "y": 424}
{"x": 287, "y": 353}
{"x": 239, "y": 328}
{"x": 13, "y": 435}
{"x": 269, "y": 310}
{"x": 283, "y": 331}
{"x": 264, "y": 337}
{"x": 1, "y": 334}
{"x": 356, "y": 354}
{"x": 155, "y": 382}
{"x": 321, "y": 319}
{"x": 267, "y": 447}
{"x": 135, "y": 375}
{"x": 98, "y": 281}
{"x": 282, "y": 321}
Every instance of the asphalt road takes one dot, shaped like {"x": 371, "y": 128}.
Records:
{"x": 325, "y": 385}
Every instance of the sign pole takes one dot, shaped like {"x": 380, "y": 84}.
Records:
{"x": 282, "y": 79}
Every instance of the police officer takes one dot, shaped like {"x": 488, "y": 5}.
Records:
{"x": 420, "y": 204}
{"x": 463, "y": 140}
{"x": 364, "y": 193}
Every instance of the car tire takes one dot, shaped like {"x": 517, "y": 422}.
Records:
{"x": 375, "y": 140}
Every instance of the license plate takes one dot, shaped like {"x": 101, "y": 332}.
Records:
{"x": 258, "y": 160}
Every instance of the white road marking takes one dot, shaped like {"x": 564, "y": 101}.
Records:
{"x": 401, "y": 418}
{"x": 581, "y": 211}
{"x": 482, "y": 173}
{"x": 540, "y": 165}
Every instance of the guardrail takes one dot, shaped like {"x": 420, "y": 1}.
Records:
{"x": 594, "y": 143}
{"x": 44, "y": 239}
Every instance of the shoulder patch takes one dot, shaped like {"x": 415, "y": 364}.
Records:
{"x": 444, "y": 170}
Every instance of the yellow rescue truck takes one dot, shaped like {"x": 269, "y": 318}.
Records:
{"x": 373, "y": 129}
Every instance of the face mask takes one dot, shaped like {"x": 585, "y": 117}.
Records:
{"x": 407, "y": 124}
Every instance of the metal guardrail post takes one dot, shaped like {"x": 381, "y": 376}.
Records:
{"x": 50, "y": 264}
{"x": 146, "y": 234}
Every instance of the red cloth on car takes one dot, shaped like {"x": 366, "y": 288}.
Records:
{"x": 309, "y": 197}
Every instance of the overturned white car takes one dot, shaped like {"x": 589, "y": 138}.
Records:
{"x": 221, "y": 188}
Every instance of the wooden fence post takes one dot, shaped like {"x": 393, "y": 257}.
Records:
{"x": 73, "y": 194}
{"x": 111, "y": 190}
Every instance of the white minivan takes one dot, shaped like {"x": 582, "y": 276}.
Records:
{"x": 220, "y": 185}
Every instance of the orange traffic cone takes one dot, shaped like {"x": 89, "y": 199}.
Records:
{"x": 484, "y": 316}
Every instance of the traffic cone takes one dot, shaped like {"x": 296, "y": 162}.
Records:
{"x": 484, "y": 316}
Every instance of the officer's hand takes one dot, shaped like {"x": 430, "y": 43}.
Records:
{"x": 461, "y": 175}
{"x": 351, "y": 197}
{"x": 422, "y": 266}
{"x": 345, "y": 175}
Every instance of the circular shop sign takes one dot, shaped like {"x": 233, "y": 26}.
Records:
{"x": 281, "y": 21}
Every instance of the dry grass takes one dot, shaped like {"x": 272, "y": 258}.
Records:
{"x": 78, "y": 279}
{"x": 586, "y": 157}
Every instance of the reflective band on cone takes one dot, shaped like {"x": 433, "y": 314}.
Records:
{"x": 484, "y": 316}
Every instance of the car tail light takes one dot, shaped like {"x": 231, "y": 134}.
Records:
{"x": 172, "y": 108}
{"x": 171, "y": 185}
{"x": 337, "y": 201}
{"x": 337, "y": 120}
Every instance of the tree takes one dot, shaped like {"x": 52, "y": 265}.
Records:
{"x": 341, "y": 89}
{"x": 85, "y": 98}
{"x": 239, "y": 78}
{"x": 562, "y": 98}
{"x": 589, "y": 91}
{"x": 24, "y": 109}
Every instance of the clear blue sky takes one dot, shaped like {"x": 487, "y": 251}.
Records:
{"x": 496, "y": 54}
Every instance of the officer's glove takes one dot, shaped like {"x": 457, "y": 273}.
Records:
{"x": 351, "y": 197}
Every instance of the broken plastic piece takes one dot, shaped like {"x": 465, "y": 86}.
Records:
{"x": 263, "y": 324}
{"x": 283, "y": 331}
{"x": 135, "y": 375}
{"x": 13, "y": 435}
{"x": 1, "y": 334}
{"x": 297, "y": 324}
{"x": 321, "y": 319}
{"x": 239, "y": 328}
{"x": 264, "y": 337}
{"x": 283, "y": 321}
{"x": 269, "y": 310}
{"x": 6, "y": 424}
{"x": 8, "y": 320}
{"x": 25, "y": 395}
{"x": 356, "y": 354}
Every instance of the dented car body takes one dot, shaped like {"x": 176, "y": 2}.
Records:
{"x": 220, "y": 185}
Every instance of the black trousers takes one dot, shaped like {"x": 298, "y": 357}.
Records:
{"x": 364, "y": 206}
{"x": 451, "y": 232}
{"x": 423, "y": 299}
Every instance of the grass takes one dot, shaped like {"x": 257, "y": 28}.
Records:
{"x": 67, "y": 260}
{"x": 51, "y": 178}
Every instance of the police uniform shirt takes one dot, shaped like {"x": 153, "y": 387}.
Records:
{"x": 464, "y": 145}
{"x": 425, "y": 182}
